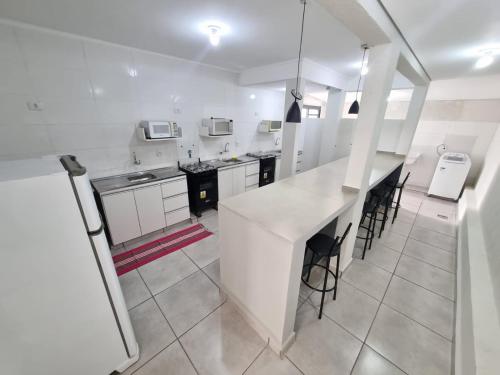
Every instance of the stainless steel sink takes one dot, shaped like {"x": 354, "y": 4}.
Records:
{"x": 232, "y": 160}
{"x": 140, "y": 177}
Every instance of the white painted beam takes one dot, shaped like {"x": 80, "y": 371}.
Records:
{"x": 334, "y": 106}
{"x": 309, "y": 70}
{"x": 378, "y": 83}
{"x": 412, "y": 117}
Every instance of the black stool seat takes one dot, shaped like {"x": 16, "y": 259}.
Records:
{"x": 322, "y": 244}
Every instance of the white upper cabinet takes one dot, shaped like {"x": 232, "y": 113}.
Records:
{"x": 149, "y": 203}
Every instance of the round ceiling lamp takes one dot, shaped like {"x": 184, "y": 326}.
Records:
{"x": 293, "y": 114}
{"x": 354, "y": 108}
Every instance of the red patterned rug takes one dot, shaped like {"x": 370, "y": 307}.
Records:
{"x": 132, "y": 259}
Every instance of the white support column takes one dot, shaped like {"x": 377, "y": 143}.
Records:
{"x": 290, "y": 143}
{"x": 412, "y": 117}
{"x": 334, "y": 107}
{"x": 377, "y": 87}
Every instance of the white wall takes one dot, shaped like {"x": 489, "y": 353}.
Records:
{"x": 92, "y": 104}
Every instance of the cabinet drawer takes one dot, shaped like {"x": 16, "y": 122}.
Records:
{"x": 248, "y": 188}
{"x": 174, "y": 188}
{"x": 177, "y": 216}
{"x": 252, "y": 169}
{"x": 174, "y": 203}
{"x": 252, "y": 180}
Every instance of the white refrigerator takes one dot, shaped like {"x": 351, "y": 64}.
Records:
{"x": 61, "y": 306}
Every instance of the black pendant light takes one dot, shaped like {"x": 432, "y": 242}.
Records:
{"x": 294, "y": 114}
{"x": 354, "y": 108}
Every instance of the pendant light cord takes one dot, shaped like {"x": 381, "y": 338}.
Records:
{"x": 362, "y": 63}
{"x": 300, "y": 48}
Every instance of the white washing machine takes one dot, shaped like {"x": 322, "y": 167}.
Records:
{"x": 450, "y": 174}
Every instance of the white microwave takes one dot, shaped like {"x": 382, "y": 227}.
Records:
{"x": 160, "y": 129}
{"x": 269, "y": 126}
{"x": 214, "y": 126}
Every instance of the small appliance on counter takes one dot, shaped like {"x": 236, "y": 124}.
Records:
{"x": 203, "y": 191}
{"x": 62, "y": 306}
{"x": 449, "y": 176}
{"x": 269, "y": 126}
{"x": 160, "y": 129}
{"x": 267, "y": 166}
{"x": 216, "y": 127}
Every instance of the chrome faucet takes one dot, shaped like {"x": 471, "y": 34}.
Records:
{"x": 226, "y": 147}
{"x": 277, "y": 141}
{"x": 136, "y": 161}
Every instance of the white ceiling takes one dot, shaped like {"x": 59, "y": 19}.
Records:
{"x": 447, "y": 34}
{"x": 261, "y": 31}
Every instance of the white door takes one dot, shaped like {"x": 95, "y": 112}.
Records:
{"x": 225, "y": 183}
{"x": 149, "y": 203}
{"x": 121, "y": 215}
{"x": 239, "y": 177}
{"x": 277, "y": 169}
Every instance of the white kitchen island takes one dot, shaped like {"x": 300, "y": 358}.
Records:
{"x": 262, "y": 238}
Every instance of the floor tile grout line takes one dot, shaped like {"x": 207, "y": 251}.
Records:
{"x": 170, "y": 326}
{"x": 294, "y": 365}
{"x": 154, "y": 356}
{"x": 392, "y": 363}
{"x": 255, "y": 359}
{"x": 428, "y": 263}
{"x": 423, "y": 287}
{"x": 415, "y": 321}
{"x": 176, "y": 337}
{"x": 381, "y": 302}
{"x": 431, "y": 244}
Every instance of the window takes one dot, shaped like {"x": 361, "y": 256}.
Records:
{"x": 311, "y": 111}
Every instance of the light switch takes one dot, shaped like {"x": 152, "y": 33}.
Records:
{"x": 35, "y": 106}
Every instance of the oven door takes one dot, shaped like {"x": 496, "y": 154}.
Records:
{"x": 266, "y": 174}
{"x": 160, "y": 130}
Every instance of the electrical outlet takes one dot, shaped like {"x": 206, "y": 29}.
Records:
{"x": 35, "y": 106}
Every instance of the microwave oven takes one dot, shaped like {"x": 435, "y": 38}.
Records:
{"x": 269, "y": 126}
{"x": 213, "y": 126}
{"x": 160, "y": 129}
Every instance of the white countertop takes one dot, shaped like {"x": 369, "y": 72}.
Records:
{"x": 299, "y": 206}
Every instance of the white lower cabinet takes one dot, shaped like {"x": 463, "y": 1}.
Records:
{"x": 121, "y": 216}
{"x": 239, "y": 180}
{"x": 277, "y": 169}
{"x": 142, "y": 210}
{"x": 225, "y": 183}
{"x": 149, "y": 203}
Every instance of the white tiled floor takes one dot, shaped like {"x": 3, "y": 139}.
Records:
{"x": 393, "y": 314}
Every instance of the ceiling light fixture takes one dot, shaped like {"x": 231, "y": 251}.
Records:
{"x": 354, "y": 108}
{"x": 214, "y": 33}
{"x": 293, "y": 114}
{"x": 487, "y": 56}
{"x": 252, "y": 96}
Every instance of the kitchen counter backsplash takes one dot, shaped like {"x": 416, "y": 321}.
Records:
{"x": 96, "y": 116}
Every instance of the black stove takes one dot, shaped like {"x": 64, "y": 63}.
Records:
{"x": 202, "y": 183}
{"x": 267, "y": 166}
{"x": 261, "y": 155}
{"x": 196, "y": 167}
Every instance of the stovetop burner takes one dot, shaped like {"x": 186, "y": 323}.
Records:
{"x": 196, "y": 167}
{"x": 261, "y": 155}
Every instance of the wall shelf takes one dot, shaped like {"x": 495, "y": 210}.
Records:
{"x": 142, "y": 136}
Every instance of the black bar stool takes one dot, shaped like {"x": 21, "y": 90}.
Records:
{"x": 322, "y": 246}
{"x": 385, "y": 193}
{"x": 370, "y": 209}
{"x": 400, "y": 186}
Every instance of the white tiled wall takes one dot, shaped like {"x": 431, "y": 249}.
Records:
{"x": 94, "y": 94}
